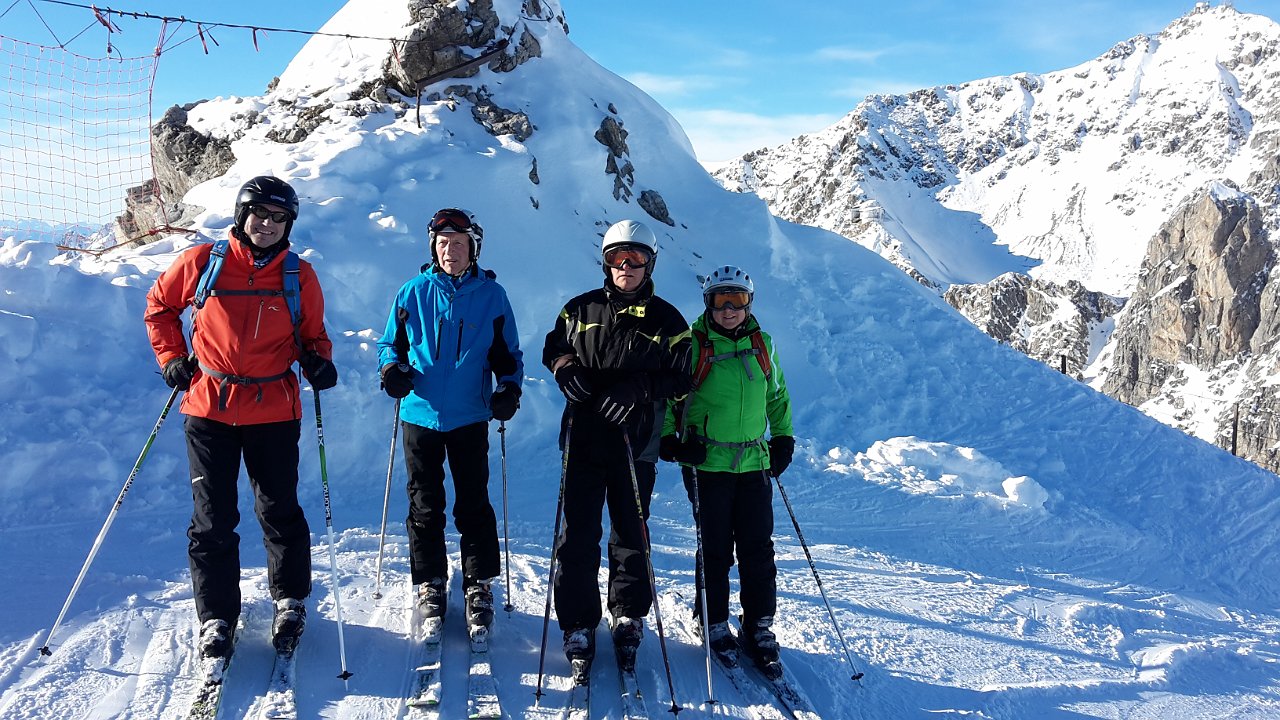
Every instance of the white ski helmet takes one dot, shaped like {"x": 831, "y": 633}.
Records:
{"x": 630, "y": 232}
{"x": 727, "y": 279}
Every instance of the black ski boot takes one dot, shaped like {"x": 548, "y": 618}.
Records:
{"x": 433, "y": 598}
{"x": 215, "y": 639}
{"x": 723, "y": 644}
{"x": 479, "y": 602}
{"x": 761, "y": 645}
{"x": 580, "y": 648}
{"x": 289, "y": 622}
{"x": 627, "y": 634}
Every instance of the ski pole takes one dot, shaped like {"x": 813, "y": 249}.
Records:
{"x": 814, "y": 569}
{"x": 555, "y": 545}
{"x": 648, "y": 559}
{"x": 386, "y": 498}
{"x": 111, "y": 516}
{"x": 333, "y": 553}
{"x": 702, "y": 582}
{"x": 506, "y": 536}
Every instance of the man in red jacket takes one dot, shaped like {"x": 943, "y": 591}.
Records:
{"x": 242, "y": 400}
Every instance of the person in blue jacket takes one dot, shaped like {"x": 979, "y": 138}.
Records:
{"x": 450, "y": 335}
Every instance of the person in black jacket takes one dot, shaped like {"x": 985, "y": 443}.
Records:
{"x": 617, "y": 353}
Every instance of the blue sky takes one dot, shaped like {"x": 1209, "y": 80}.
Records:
{"x": 737, "y": 75}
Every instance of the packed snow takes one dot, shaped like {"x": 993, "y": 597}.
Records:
{"x": 995, "y": 539}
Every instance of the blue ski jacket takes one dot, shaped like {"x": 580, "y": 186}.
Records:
{"x": 458, "y": 335}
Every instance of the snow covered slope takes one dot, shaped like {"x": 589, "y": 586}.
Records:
{"x": 996, "y": 540}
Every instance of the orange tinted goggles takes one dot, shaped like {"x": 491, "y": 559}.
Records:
{"x": 633, "y": 256}
{"x": 735, "y": 300}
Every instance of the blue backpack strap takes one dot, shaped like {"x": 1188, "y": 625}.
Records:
{"x": 209, "y": 277}
{"x": 293, "y": 294}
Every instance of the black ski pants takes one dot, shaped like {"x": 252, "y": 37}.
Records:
{"x": 598, "y": 474}
{"x": 736, "y": 515}
{"x": 270, "y": 452}
{"x": 467, "y": 450}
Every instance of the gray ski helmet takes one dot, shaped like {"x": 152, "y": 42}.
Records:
{"x": 630, "y": 232}
{"x": 457, "y": 220}
{"x": 266, "y": 189}
{"x": 727, "y": 278}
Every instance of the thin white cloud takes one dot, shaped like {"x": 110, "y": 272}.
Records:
{"x": 719, "y": 135}
{"x": 672, "y": 85}
{"x": 850, "y": 54}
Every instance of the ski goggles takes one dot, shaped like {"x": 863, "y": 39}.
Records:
{"x": 262, "y": 213}
{"x": 450, "y": 220}
{"x": 731, "y": 300}
{"x": 636, "y": 257}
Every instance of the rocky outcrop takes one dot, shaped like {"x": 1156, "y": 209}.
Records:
{"x": 445, "y": 36}
{"x": 183, "y": 158}
{"x": 1049, "y": 322}
{"x": 1199, "y": 295}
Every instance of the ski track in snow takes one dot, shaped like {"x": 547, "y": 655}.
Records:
{"x": 931, "y": 640}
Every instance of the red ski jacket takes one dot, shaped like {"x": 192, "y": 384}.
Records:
{"x": 244, "y": 336}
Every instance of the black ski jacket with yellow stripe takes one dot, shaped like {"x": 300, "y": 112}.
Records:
{"x": 617, "y": 338}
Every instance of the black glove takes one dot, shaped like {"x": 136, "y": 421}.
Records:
{"x": 781, "y": 448}
{"x": 686, "y": 452}
{"x": 616, "y": 403}
{"x": 319, "y": 370}
{"x": 179, "y": 371}
{"x": 397, "y": 380}
{"x": 691, "y": 452}
{"x": 505, "y": 401}
{"x": 574, "y": 383}
{"x": 668, "y": 446}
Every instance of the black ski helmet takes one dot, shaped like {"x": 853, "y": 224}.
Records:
{"x": 266, "y": 189}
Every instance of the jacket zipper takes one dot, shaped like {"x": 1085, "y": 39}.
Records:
{"x": 458, "y": 357}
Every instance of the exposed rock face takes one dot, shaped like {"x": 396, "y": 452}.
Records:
{"x": 1207, "y": 304}
{"x": 184, "y": 158}
{"x": 1199, "y": 296}
{"x": 444, "y": 37}
{"x": 1051, "y": 323}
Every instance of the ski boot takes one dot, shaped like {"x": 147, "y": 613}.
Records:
{"x": 433, "y": 598}
{"x": 479, "y": 613}
{"x": 723, "y": 644}
{"x": 215, "y": 639}
{"x": 288, "y": 624}
{"x": 761, "y": 645}
{"x": 580, "y": 648}
{"x": 627, "y": 633}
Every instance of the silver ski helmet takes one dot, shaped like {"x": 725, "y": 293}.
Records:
{"x": 629, "y": 235}
{"x": 730, "y": 284}
{"x": 456, "y": 220}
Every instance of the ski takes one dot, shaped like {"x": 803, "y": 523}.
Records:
{"x": 760, "y": 700}
{"x": 482, "y": 688}
{"x": 633, "y": 707}
{"x": 213, "y": 673}
{"x": 213, "y": 676}
{"x": 424, "y": 697}
{"x": 280, "y": 702}
{"x": 578, "y": 706}
{"x": 797, "y": 705}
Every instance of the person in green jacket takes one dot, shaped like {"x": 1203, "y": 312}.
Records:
{"x": 718, "y": 434}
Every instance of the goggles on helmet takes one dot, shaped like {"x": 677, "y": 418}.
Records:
{"x": 450, "y": 220}
{"x": 728, "y": 300}
{"x": 635, "y": 256}
{"x": 262, "y": 213}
